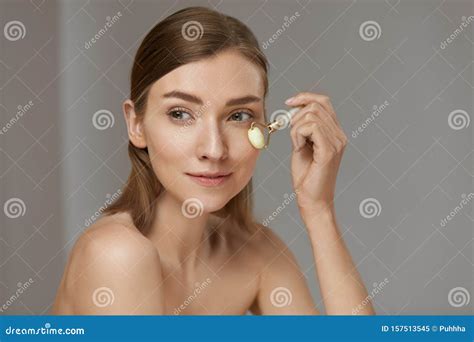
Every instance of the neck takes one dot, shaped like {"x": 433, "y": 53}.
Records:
{"x": 180, "y": 235}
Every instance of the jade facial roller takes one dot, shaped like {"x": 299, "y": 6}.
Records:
{"x": 257, "y": 137}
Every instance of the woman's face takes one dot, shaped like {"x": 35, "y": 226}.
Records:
{"x": 196, "y": 122}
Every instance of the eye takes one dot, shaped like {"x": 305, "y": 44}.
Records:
{"x": 237, "y": 116}
{"x": 179, "y": 114}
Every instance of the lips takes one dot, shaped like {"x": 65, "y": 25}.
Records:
{"x": 210, "y": 175}
{"x": 210, "y": 179}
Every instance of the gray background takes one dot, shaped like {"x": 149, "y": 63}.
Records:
{"x": 410, "y": 158}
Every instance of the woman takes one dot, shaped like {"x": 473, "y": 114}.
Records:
{"x": 181, "y": 239}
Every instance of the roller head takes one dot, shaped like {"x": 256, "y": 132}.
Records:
{"x": 256, "y": 137}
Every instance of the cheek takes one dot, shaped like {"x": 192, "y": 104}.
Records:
{"x": 163, "y": 148}
{"x": 166, "y": 141}
{"x": 246, "y": 157}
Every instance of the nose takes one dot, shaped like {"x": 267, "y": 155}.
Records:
{"x": 212, "y": 142}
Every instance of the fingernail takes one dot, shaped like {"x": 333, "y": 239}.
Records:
{"x": 290, "y": 100}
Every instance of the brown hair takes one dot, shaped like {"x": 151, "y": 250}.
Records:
{"x": 188, "y": 35}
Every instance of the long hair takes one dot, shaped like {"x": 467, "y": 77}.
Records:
{"x": 170, "y": 44}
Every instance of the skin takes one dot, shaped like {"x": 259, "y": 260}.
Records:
{"x": 230, "y": 270}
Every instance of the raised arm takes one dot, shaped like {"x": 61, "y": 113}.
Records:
{"x": 318, "y": 146}
{"x": 341, "y": 286}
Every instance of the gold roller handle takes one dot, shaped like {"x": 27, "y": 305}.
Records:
{"x": 256, "y": 136}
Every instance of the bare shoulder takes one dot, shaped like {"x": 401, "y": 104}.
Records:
{"x": 114, "y": 269}
{"x": 116, "y": 237}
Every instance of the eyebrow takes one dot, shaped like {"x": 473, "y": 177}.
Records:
{"x": 192, "y": 98}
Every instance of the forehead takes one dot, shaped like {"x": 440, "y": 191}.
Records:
{"x": 226, "y": 75}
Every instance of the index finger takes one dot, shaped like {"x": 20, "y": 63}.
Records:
{"x": 304, "y": 98}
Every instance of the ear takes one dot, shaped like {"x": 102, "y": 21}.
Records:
{"x": 136, "y": 132}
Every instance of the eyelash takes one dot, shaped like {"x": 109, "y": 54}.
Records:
{"x": 180, "y": 109}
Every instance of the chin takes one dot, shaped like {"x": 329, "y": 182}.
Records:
{"x": 212, "y": 203}
{"x": 199, "y": 202}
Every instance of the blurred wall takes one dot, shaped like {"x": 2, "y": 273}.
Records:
{"x": 399, "y": 74}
